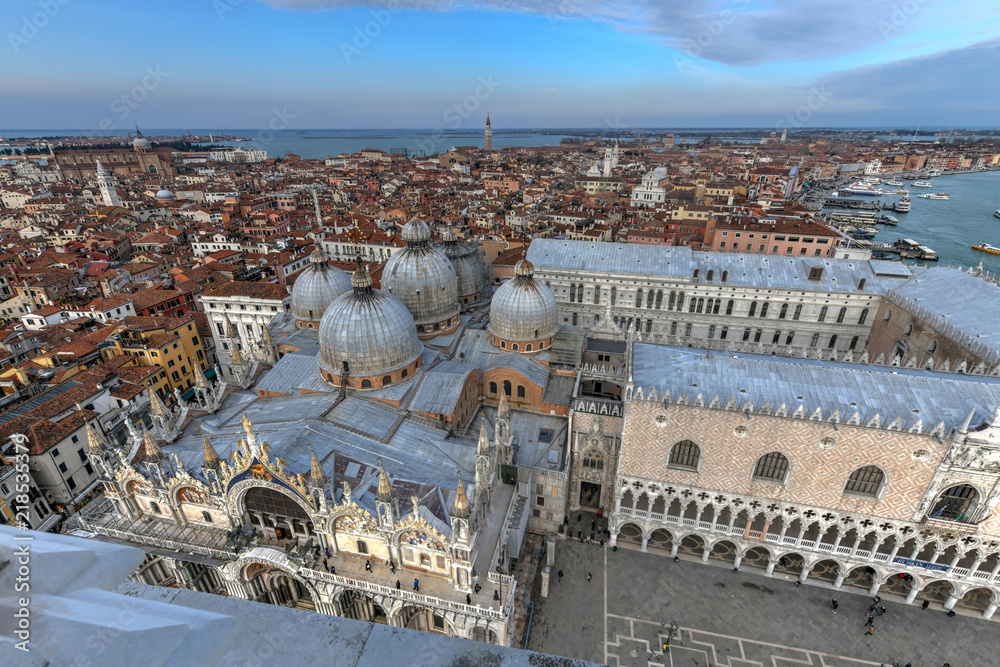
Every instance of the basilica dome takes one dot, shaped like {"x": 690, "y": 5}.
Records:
{"x": 423, "y": 278}
{"x": 140, "y": 143}
{"x": 164, "y": 195}
{"x": 523, "y": 312}
{"x": 468, "y": 265}
{"x": 372, "y": 332}
{"x": 316, "y": 288}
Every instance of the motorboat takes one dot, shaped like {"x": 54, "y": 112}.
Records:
{"x": 889, "y": 220}
{"x": 939, "y": 195}
{"x": 986, "y": 247}
{"x": 922, "y": 184}
{"x": 996, "y": 213}
{"x": 895, "y": 183}
{"x": 901, "y": 192}
{"x": 903, "y": 205}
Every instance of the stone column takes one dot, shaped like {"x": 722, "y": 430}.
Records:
{"x": 613, "y": 538}
{"x": 771, "y": 562}
{"x": 950, "y": 602}
{"x": 912, "y": 595}
{"x": 737, "y": 561}
{"x": 645, "y": 542}
{"x": 873, "y": 591}
{"x": 840, "y": 580}
{"x": 804, "y": 574}
{"x": 673, "y": 549}
{"x": 705, "y": 552}
{"x": 992, "y": 607}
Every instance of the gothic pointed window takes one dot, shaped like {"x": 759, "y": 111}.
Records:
{"x": 772, "y": 467}
{"x": 866, "y": 481}
{"x": 684, "y": 455}
{"x": 957, "y": 503}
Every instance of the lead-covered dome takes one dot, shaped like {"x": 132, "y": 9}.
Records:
{"x": 423, "y": 278}
{"x": 469, "y": 266}
{"x": 316, "y": 288}
{"x": 523, "y": 312}
{"x": 373, "y": 332}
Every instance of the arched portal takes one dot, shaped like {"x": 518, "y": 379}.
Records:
{"x": 724, "y": 550}
{"x": 861, "y": 577}
{"x": 757, "y": 557}
{"x": 630, "y": 533}
{"x": 693, "y": 545}
{"x": 274, "y": 586}
{"x": 357, "y": 605}
{"x": 899, "y": 583}
{"x": 977, "y": 599}
{"x": 421, "y": 618}
{"x": 660, "y": 539}
{"x": 825, "y": 570}
{"x": 280, "y": 516}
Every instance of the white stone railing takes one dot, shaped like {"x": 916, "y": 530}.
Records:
{"x": 496, "y": 614}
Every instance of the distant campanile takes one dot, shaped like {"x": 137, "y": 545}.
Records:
{"x": 488, "y": 135}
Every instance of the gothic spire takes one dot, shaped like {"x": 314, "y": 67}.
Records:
{"x": 153, "y": 451}
{"x": 212, "y": 459}
{"x": 384, "y": 486}
{"x": 200, "y": 380}
{"x": 460, "y": 508}
{"x": 156, "y": 405}
{"x": 316, "y": 475}
{"x": 503, "y": 411}
{"x": 231, "y": 332}
{"x": 235, "y": 354}
{"x": 95, "y": 441}
{"x": 484, "y": 441}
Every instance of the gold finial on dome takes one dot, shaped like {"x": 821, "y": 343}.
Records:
{"x": 361, "y": 280}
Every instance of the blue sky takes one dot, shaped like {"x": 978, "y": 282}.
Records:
{"x": 236, "y": 64}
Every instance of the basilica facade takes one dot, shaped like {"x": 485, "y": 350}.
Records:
{"x": 373, "y": 455}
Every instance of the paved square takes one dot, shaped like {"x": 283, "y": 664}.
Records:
{"x": 731, "y": 619}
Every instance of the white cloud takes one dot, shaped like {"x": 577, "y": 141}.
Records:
{"x": 734, "y": 32}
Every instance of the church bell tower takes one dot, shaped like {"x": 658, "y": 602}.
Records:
{"x": 488, "y": 135}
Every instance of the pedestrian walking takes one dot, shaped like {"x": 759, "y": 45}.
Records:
{"x": 325, "y": 564}
{"x": 676, "y": 559}
{"x": 589, "y": 576}
{"x": 565, "y": 519}
{"x": 478, "y": 588}
{"x": 416, "y": 584}
{"x": 593, "y": 525}
{"x": 496, "y": 595}
{"x": 870, "y": 621}
{"x": 925, "y": 604}
{"x": 392, "y": 566}
{"x": 835, "y": 604}
{"x": 602, "y": 545}
{"x": 468, "y": 599}
{"x": 600, "y": 512}
{"x": 398, "y": 585}
{"x": 579, "y": 517}
{"x": 877, "y": 599}
{"x": 333, "y": 570}
{"x": 327, "y": 553}
{"x": 798, "y": 582}
{"x": 368, "y": 565}
{"x": 870, "y": 630}
{"x": 560, "y": 574}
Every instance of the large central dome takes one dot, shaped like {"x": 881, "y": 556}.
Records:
{"x": 316, "y": 288}
{"x": 373, "y": 333}
{"x": 422, "y": 277}
{"x": 523, "y": 312}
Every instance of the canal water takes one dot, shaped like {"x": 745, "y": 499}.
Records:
{"x": 948, "y": 227}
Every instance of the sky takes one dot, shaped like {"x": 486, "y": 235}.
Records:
{"x": 302, "y": 64}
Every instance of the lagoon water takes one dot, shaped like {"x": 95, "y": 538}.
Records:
{"x": 950, "y": 227}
